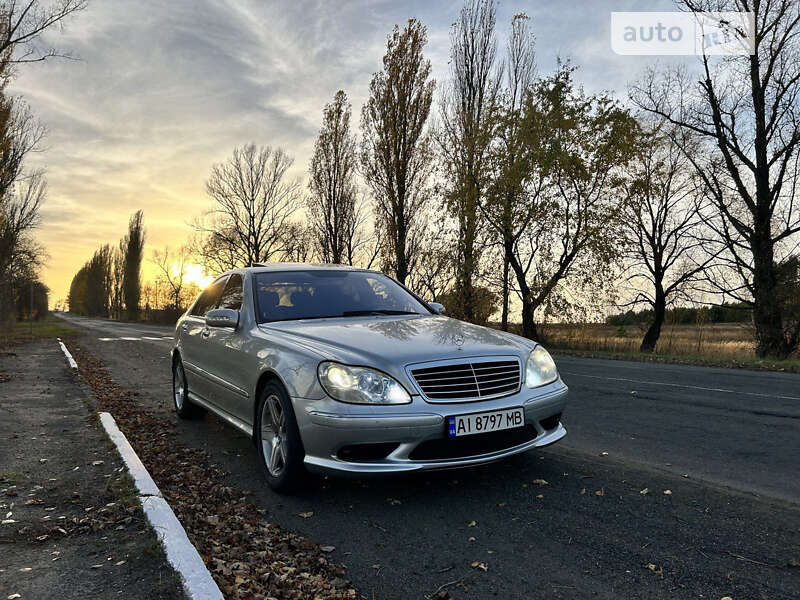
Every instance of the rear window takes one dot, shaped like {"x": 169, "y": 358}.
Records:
{"x": 317, "y": 294}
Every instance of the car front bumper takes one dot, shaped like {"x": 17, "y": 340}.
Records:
{"x": 327, "y": 427}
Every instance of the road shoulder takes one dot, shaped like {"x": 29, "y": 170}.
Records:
{"x": 72, "y": 526}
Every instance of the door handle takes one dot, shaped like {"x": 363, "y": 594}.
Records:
{"x": 206, "y": 332}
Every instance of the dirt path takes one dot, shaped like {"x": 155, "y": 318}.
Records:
{"x": 71, "y": 525}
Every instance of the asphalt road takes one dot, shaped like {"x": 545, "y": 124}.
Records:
{"x": 725, "y": 443}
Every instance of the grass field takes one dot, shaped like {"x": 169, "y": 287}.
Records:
{"x": 25, "y": 331}
{"x": 723, "y": 344}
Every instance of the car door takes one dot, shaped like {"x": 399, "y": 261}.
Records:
{"x": 227, "y": 362}
{"x": 194, "y": 337}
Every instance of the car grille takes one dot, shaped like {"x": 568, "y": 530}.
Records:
{"x": 474, "y": 380}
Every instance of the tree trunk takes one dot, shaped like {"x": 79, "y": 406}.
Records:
{"x": 767, "y": 310}
{"x": 654, "y": 331}
{"x": 529, "y": 329}
{"x": 504, "y": 318}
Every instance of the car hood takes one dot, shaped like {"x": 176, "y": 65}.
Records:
{"x": 392, "y": 342}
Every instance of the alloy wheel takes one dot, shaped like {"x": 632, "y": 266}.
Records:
{"x": 274, "y": 441}
{"x": 178, "y": 386}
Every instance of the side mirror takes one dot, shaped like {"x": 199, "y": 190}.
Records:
{"x": 222, "y": 317}
{"x": 438, "y": 308}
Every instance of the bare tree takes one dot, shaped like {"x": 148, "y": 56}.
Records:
{"x": 662, "y": 222}
{"x": 172, "y": 265}
{"x": 334, "y": 211}
{"x": 254, "y": 202}
{"x": 467, "y": 112}
{"x": 300, "y": 243}
{"x": 434, "y": 273}
{"x": 396, "y": 156}
{"x": 745, "y": 110}
{"x": 22, "y": 24}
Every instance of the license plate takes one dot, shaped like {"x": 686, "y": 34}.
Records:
{"x": 485, "y": 422}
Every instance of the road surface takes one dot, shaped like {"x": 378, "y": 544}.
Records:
{"x": 724, "y": 442}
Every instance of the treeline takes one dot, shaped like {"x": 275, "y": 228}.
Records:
{"x": 685, "y": 315}
{"x": 109, "y": 284}
{"x": 23, "y": 190}
{"x": 507, "y": 190}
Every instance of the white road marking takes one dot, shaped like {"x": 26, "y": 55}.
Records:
{"x": 133, "y": 339}
{"x": 680, "y": 385}
{"x": 70, "y": 360}
{"x": 183, "y": 556}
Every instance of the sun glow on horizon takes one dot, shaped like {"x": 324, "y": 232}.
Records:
{"x": 196, "y": 274}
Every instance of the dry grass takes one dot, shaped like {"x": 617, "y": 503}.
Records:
{"x": 723, "y": 340}
{"x": 24, "y": 331}
{"x": 717, "y": 344}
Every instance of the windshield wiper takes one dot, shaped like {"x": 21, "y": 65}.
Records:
{"x": 377, "y": 311}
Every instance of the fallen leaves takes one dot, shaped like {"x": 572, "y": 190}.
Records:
{"x": 539, "y": 482}
{"x": 600, "y": 492}
{"x": 667, "y": 492}
{"x": 644, "y": 491}
{"x": 481, "y": 566}
{"x": 472, "y": 524}
{"x": 656, "y": 569}
{"x": 247, "y": 556}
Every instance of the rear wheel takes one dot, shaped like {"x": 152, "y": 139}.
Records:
{"x": 278, "y": 442}
{"x": 185, "y": 408}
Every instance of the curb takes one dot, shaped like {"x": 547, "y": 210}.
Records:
{"x": 70, "y": 360}
{"x": 182, "y": 555}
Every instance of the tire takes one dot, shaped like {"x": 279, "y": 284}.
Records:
{"x": 185, "y": 408}
{"x": 280, "y": 449}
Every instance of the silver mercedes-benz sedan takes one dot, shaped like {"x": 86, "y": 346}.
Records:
{"x": 343, "y": 370}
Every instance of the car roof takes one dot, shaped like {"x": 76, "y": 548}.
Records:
{"x": 296, "y": 266}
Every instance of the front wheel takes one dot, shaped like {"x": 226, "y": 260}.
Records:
{"x": 185, "y": 408}
{"x": 280, "y": 448}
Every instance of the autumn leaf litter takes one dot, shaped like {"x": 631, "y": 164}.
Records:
{"x": 247, "y": 556}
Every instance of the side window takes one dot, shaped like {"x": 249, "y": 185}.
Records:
{"x": 232, "y": 295}
{"x": 208, "y": 299}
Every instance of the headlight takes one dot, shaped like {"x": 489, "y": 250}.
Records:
{"x": 360, "y": 385}
{"x": 540, "y": 369}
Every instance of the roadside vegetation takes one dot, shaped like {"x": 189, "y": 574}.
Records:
{"x": 23, "y": 190}
{"x": 49, "y": 326}
{"x": 718, "y": 344}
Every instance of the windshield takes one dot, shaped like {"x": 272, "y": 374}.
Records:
{"x": 319, "y": 294}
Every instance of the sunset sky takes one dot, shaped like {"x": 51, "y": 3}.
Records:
{"x": 163, "y": 90}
